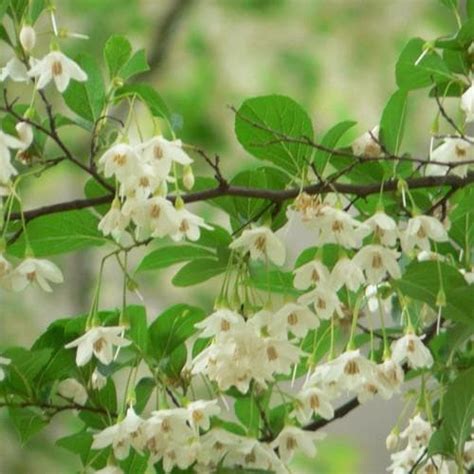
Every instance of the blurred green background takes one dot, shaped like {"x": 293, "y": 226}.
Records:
{"x": 336, "y": 57}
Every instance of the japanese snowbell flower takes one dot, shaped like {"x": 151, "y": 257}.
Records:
{"x": 262, "y": 244}
{"x": 455, "y": 151}
{"x": 467, "y": 103}
{"x": 324, "y": 300}
{"x": 403, "y": 461}
{"x": 418, "y": 432}
{"x": 3, "y": 361}
{"x": 420, "y": 230}
{"x": 346, "y": 272}
{"x": 121, "y": 436}
{"x": 221, "y": 321}
{"x": 25, "y": 134}
{"x": 109, "y": 469}
{"x": 293, "y": 318}
{"x": 121, "y": 160}
{"x": 310, "y": 274}
{"x": 98, "y": 381}
{"x": 313, "y": 401}
{"x": 188, "y": 225}
{"x": 98, "y": 341}
{"x": 27, "y": 37}
{"x": 366, "y": 146}
{"x": 410, "y": 347}
{"x": 34, "y": 270}
{"x": 7, "y": 170}
{"x": 114, "y": 222}
{"x": 292, "y": 439}
{"x": 73, "y": 390}
{"x": 15, "y": 70}
{"x": 389, "y": 375}
{"x": 58, "y": 67}
{"x": 200, "y": 413}
{"x": 384, "y": 228}
{"x": 281, "y": 355}
{"x": 376, "y": 261}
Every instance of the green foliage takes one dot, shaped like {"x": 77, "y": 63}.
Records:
{"x": 147, "y": 95}
{"x": 392, "y": 123}
{"x": 117, "y": 52}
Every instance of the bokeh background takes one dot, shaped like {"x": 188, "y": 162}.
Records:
{"x": 336, "y": 57}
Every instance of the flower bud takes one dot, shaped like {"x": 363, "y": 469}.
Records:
{"x": 188, "y": 178}
{"x": 27, "y": 38}
{"x": 25, "y": 133}
{"x": 391, "y": 442}
{"x": 98, "y": 381}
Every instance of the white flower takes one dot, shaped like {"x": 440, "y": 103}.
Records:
{"x": 281, "y": 355}
{"x": 73, "y": 390}
{"x": 25, "y": 133}
{"x": 34, "y": 270}
{"x": 290, "y": 439}
{"x": 418, "y": 432}
{"x": 15, "y": 70}
{"x": 366, "y": 146}
{"x": 221, "y": 321}
{"x": 468, "y": 275}
{"x": 188, "y": 225}
{"x": 420, "y": 230}
{"x": 98, "y": 381}
{"x": 109, "y": 469}
{"x": 346, "y": 272}
{"x": 5, "y": 266}
{"x": 57, "y": 67}
{"x": 121, "y": 436}
{"x": 262, "y": 244}
{"x": 468, "y": 454}
{"x": 313, "y": 401}
{"x": 7, "y": 170}
{"x": 467, "y": 103}
{"x": 324, "y": 300}
{"x": 98, "y": 341}
{"x": 114, "y": 222}
{"x": 188, "y": 177}
{"x": 121, "y": 160}
{"x": 403, "y": 461}
{"x": 309, "y": 274}
{"x": 293, "y": 318}
{"x": 389, "y": 376}
{"x": 455, "y": 151}
{"x": 391, "y": 442}
{"x": 384, "y": 228}
{"x": 27, "y": 38}
{"x": 200, "y": 413}
{"x": 411, "y": 347}
{"x": 3, "y": 361}
{"x": 376, "y": 261}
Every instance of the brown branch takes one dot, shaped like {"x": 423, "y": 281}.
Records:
{"x": 57, "y": 408}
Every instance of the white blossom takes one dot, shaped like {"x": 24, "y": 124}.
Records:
{"x": 200, "y": 412}
{"x": 391, "y": 441}
{"x": 420, "y": 230}
{"x": 34, "y": 270}
{"x": 418, "y": 432}
{"x": 453, "y": 151}
{"x": 98, "y": 381}
{"x": 403, "y": 461}
{"x": 410, "y": 347}
{"x": 114, "y": 222}
{"x": 70, "y": 388}
{"x": 27, "y": 37}
{"x": 121, "y": 160}
{"x": 384, "y": 228}
{"x": 220, "y": 321}
{"x": 377, "y": 261}
{"x": 366, "y": 145}
{"x": 15, "y": 70}
{"x": 467, "y": 103}
{"x": 7, "y": 170}
{"x": 58, "y": 67}
{"x": 324, "y": 300}
{"x": 346, "y": 272}
{"x": 310, "y": 274}
{"x": 313, "y": 401}
{"x": 98, "y": 341}
{"x": 188, "y": 225}
{"x": 25, "y": 134}
{"x": 109, "y": 469}
{"x": 292, "y": 439}
{"x": 293, "y": 318}
{"x": 262, "y": 244}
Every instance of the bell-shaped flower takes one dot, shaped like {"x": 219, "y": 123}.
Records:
{"x": 403, "y": 461}
{"x": 121, "y": 160}
{"x": 367, "y": 144}
{"x": 280, "y": 355}
{"x": 71, "y": 389}
{"x": 467, "y": 103}
{"x": 15, "y": 70}
{"x": 114, "y": 222}
{"x": 346, "y": 272}
{"x": 57, "y": 67}
{"x": 418, "y": 432}
{"x": 7, "y": 170}
{"x": 310, "y": 274}
{"x": 109, "y": 469}
{"x": 453, "y": 151}
{"x": 200, "y": 413}
{"x": 411, "y": 348}
{"x": 189, "y": 225}
{"x": 262, "y": 244}
{"x": 313, "y": 401}
{"x": 219, "y": 323}
{"x": 121, "y": 436}
{"x": 389, "y": 375}
{"x": 420, "y": 230}
{"x": 324, "y": 300}
{"x": 98, "y": 381}
{"x": 35, "y": 271}
{"x": 384, "y": 228}
{"x": 294, "y": 318}
{"x": 377, "y": 261}
{"x": 292, "y": 439}
{"x": 98, "y": 341}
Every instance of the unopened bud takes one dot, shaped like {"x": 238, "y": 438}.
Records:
{"x": 25, "y": 133}
{"x": 188, "y": 178}
{"x": 27, "y": 38}
{"x": 392, "y": 441}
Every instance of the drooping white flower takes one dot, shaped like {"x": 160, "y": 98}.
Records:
{"x": 389, "y": 375}
{"x": 188, "y": 178}
{"x": 366, "y": 145}
{"x": 384, "y": 228}
{"x": 292, "y": 439}
{"x": 38, "y": 271}
{"x": 377, "y": 261}
{"x": 98, "y": 341}
{"x": 467, "y": 103}
{"x": 216, "y": 444}
{"x": 468, "y": 454}
{"x": 7, "y": 170}
{"x": 188, "y": 225}
{"x": 346, "y": 272}
{"x": 15, "y": 70}
{"x": 200, "y": 413}
{"x": 324, "y": 300}
{"x": 114, "y": 222}
{"x": 109, "y": 469}
{"x": 57, "y": 67}
{"x": 452, "y": 151}
{"x": 121, "y": 436}
{"x": 313, "y": 401}
{"x": 411, "y": 348}
{"x": 293, "y": 318}
{"x": 391, "y": 442}
{"x": 468, "y": 275}
{"x": 420, "y": 230}
{"x": 309, "y": 274}
{"x": 262, "y": 244}
{"x": 25, "y": 134}
{"x": 71, "y": 389}
{"x": 27, "y": 37}
{"x": 219, "y": 322}
{"x": 418, "y": 432}
{"x": 280, "y": 355}
{"x": 121, "y": 160}
{"x": 98, "y": 381}
{"x": 3, "y": 361}
{"x": 403, "y": 461}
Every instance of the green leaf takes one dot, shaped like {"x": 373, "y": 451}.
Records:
{"x": 199, "y": 270}
{"x": 148, "y": 96}
{"x": 27, "y": 422}
{"x": 87, "y": 99}
{"x": 60, "y": 233}
{"x": 143, "y": 391}
{"x": 138, "y": 331}
{"x": 441, "y": 443}
{"x": 274, "y": 281}
{"x": 136, "y": 65}
{"x": 431, "y": 68}
{"x": 214, "y": 238}
{"x": 135, "y": 463}
{"x": 166, "y": 256}
{"x": 451, "y": 4}
{"x": 93, "y": 189}
{"x": 36, "y": 8}
{"x": 392, "y": 123}
{"x": 4, "y": 35}
{"x": 18, "y": 8}
{"x": 262, "y": 124}
{"x": 246, "y": 410}
{"x": 117, "y": 52}
{"x": 470, "y": 8}
{"x": 80, "y": 443}
{"x": 171, "y": 329}
{"x": 330, "y": 140}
